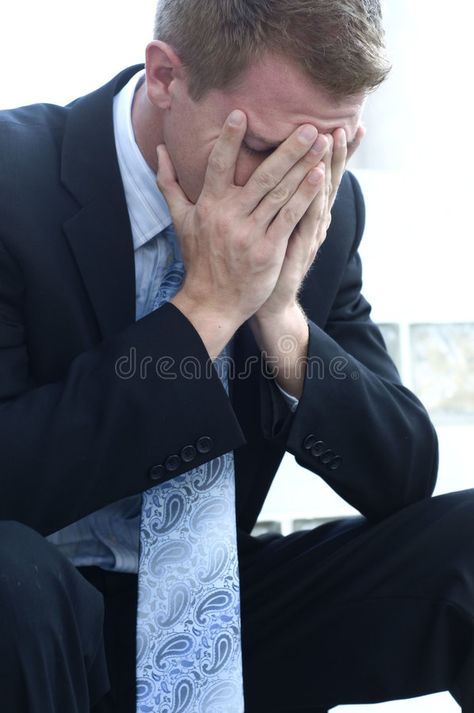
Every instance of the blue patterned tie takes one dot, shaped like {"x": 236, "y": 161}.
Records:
{"x": 188, "y": 627}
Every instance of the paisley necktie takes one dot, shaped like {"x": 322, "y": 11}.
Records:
{"x": 188, "y": 623}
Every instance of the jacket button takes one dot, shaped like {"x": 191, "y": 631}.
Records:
{"x": 158, "y": 473}
{"x": 172, "y": 463}
{"x": 327, "y": 457}
{"x": 188, "y": 454}
{"x": 318, "y": 448}
{"x": 309, "y": 441}
{"x": 335, "y": 463}
{"x": 204, "y": 444}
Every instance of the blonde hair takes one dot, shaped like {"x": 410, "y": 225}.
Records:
{"x": 339, "y": 44}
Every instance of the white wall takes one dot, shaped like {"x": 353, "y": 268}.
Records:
{"x": 57, "y": 50}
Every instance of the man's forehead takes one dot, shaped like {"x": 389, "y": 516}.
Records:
{"x": 274, "y": 93}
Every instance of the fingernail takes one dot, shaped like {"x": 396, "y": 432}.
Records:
{"x": 308, "y": 134}
{"x": 236, "y": 118}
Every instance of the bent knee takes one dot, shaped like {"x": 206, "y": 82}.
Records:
{"x": 40, "y": 589}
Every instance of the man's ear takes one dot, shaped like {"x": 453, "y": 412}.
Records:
{"x": 162, "y": 66}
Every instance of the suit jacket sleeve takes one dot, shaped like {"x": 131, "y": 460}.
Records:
{"x": 354, "y": 413}
{"x": 70, "y": 447}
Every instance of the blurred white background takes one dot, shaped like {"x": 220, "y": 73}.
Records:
{"x": 415, "y": 169}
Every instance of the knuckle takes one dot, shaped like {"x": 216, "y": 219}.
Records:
{"x": 217, "y": 163}
{"x": 264, "y": 180}
{"x": 289, "y": 214}
{"x": 281, "y": 194}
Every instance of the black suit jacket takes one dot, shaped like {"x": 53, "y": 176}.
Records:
{"x": 81, "y": 428}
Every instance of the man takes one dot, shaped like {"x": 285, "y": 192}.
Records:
{"x": 255, "y": 108}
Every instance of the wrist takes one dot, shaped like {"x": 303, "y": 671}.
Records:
{"x": 215, "y": 328}
{"x": 283, "y": 340}
{"x": 283, "y": 337}
{"x": 289, "y": 320}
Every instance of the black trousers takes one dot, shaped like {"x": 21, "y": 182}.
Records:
{"x": 52, "y": 655}
{"x": 349, "y": 612}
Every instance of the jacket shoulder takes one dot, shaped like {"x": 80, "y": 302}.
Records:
{"x": 30, "y": 142}
{"x": 30, "y": 146}
{"x": 24, "y": 126}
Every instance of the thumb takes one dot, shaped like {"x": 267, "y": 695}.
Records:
{"x": 167, "y": 182}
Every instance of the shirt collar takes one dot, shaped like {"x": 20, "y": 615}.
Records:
{"x": 147, "y": 207}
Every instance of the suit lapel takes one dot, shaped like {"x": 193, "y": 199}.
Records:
{"x": 99, "y": 235}
{"x": 103, "y": 251}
